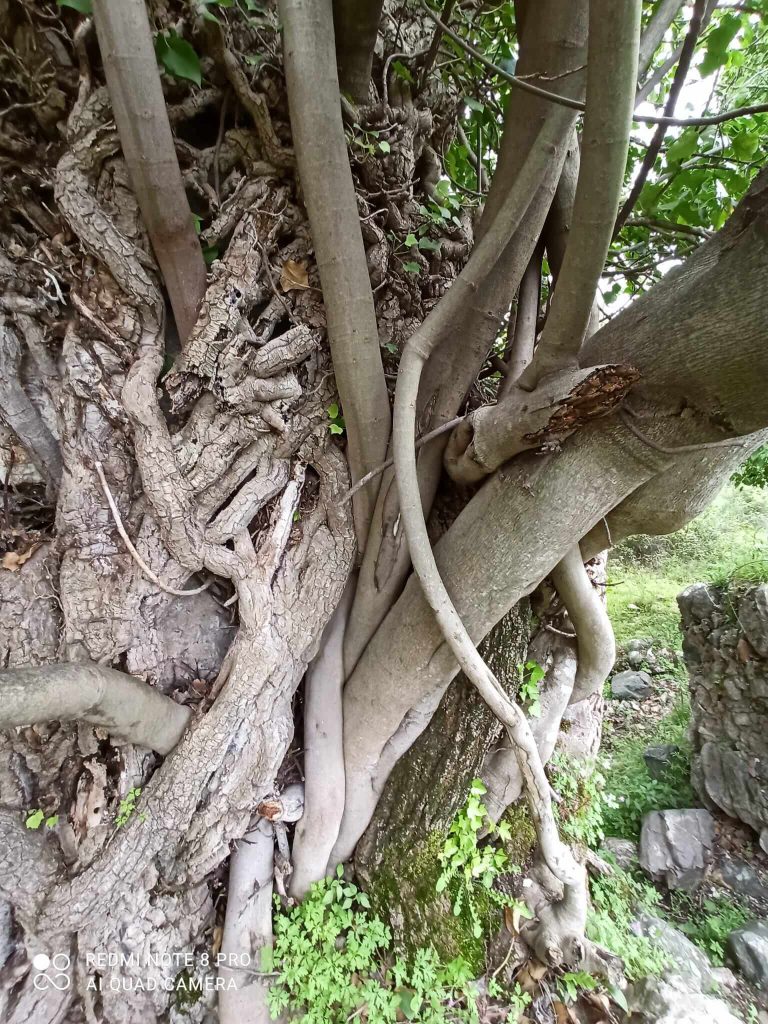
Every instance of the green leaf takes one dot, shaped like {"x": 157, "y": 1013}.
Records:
{"x": 745, "y": 144}
{"x": 427, "y": 243}
{"x": 683, "y": 147}
{"x": 35, "y": 818}
{"x": 198, "y": 222}
{"x": 52, "y": 822}
{"x": 412, "y": 267}
{"x": 411, "y": 239}
{"x": 83, "y": 6}
{"x": 178, "y": 57}
{"x": 333, "y": 411}
{"x": 210, "y": 253}
{"x": 335, "y": 428}
{"x": 384, "y": 146}
{"x": 402, "y": 71}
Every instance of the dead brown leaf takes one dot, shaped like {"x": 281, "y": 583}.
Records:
{"x": 13, "y": 560}
{"x": 293, "y": 276}
{"x": 563, "y": 1014}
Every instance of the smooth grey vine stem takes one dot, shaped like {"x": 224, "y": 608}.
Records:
{"x": 131, "y": 710}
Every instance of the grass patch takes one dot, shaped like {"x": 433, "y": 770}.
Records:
{"x": 630, "y": 791}
{"x": 727, "y": 543}
{"x": 708, "y": 920}
{"x": 616, "y": 901}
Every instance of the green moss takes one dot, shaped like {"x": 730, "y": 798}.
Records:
{"x": 403, "y": 891}
{"x": 523, "y": 840}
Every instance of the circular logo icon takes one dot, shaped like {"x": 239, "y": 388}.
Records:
{"x": 52, "y": 972}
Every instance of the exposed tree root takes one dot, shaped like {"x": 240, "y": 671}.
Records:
{"x": 318, "y": 828}
{"x": 594, "y": 632}
{"x": 132, "y": 711}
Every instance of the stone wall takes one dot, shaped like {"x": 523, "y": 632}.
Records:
{"x": 725, "y": 646}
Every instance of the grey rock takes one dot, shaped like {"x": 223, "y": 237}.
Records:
{"x": 676, "y": 846}
{"x": 635, "y": 659}
{"x": 686, "y": 960}
{"x": 638, "y": 644}
{"x": 697, "y": 602}
{"x": 623, "y": 851}
{"x": 726, "y": 654}
{"x": 631, "y": 686}
{"x": 743, "y": 879}
{"x": 753, "y": 616}
{"x": 660, "y": 758}
{"x": 671, "y": 1001}
{"x": 748, "y": 948}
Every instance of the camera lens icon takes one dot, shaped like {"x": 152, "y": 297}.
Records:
{"x": 52, "y": 972}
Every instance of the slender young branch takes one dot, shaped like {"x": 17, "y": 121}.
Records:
{"x": 614, "y": 31}
{"x": 130, "y": 67}
{"x": 132, "y": 711}
{"x": 420, "y": 442}
{"x": 653, "y": 34}
{"x": 686, "y": 55}
{"x": 329, "y": 194}
{"x": 129, "y": 543}
{"x": 526, "y": 319}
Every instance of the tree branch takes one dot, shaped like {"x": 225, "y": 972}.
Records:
{"x": 321, "y": 152}
{"x": 654, "y": 32}
{"x": 132, "y": 711}
{"x": 611, "y": 75}
{"x": 356, "y": 25}
{"x": 137, "y": 99}
{"x": 686, "y": 55}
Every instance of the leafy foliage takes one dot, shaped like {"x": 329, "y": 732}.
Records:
{"x": 616, "y": 900}
{"x": 35, "y": 818}
{"x": 177, "y": 56}
{"x": 127, "y": 806}
{"x": 467, "y": 865}
{"x": 581, "y": 787}
{"x": 333, "y": 962}
{"x": 531, "y": 674}
{"x": 708, "y": 922}
{"x": 754, "y": 472}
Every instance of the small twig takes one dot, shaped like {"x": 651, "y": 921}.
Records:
{"x": 560, "y": 632}
{"x": 129, "y": 544}
{"x": 424, "y": 439}
{"x": 624, "y": 416}
{"x": 273, "y": 286}
{"x": 217, "y": 150}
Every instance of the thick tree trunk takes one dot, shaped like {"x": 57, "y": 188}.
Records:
{"x": 397, "y": 855}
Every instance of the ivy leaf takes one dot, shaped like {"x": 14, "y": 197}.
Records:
{"x": 178, "y": 57}
{"x": 210, "y": 253}
{"x": 412, "y": 267}
{"x": 411, "y": 239}
{"x": 336, "y": 428}
{"x": 35, "y": 818}
{"x": 427, "y": 243}
{"x": 384, "y": 146}
{"x": 333, "y": 411}
{"x": 83, "y": 6}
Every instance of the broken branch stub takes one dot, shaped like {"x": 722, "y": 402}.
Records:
{"x": 561, "y": 404}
